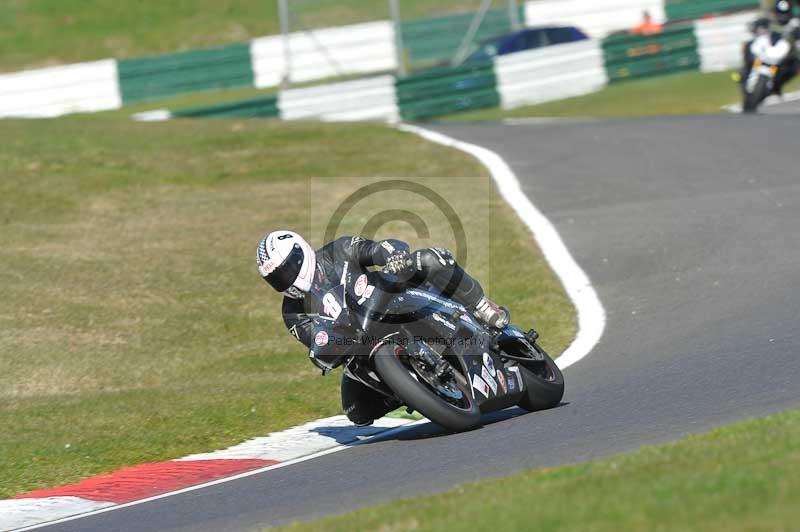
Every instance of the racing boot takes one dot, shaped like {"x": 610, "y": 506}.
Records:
{"x": 368, "y": 414}
{"x": 489, "y": 313}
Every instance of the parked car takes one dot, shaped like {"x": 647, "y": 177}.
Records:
{"x": 526, "y": 39}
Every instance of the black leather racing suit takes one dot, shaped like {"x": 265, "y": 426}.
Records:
{"x": 435, "y": 266}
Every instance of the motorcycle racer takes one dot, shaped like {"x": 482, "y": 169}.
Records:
{"x": 303, "y": 275}
{"x": 775, "y": 43}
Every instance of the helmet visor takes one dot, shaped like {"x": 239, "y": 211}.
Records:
{"x": 284, "y": 276}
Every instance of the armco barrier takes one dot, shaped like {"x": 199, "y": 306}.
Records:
{"x": 522, "y": 78}
{"x": 551, "y": 73}
{"x": 692, "y": 9}
{"x": 513, "y": 80}
{"x": 325, "y": 53}
{"x": 633, "y": 56}
{"x": 167, "y": 75}
{"x": 446, "y": 91}
{"x": 596, "y": 17}
{"x": 720, "y": 41}
{"x": 49, "y": 92}
{"x": 435, "y": 40}
{"x": 253, "y": 108}
{"x": 364, "y": 99}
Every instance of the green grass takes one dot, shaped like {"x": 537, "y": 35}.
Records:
{"x": 677, "y": 94}
{"x": 134, "y": 327}
{"x": 43, "y": 32}
{"x": 196, "y": 99}
{"x": 740, "y": 477}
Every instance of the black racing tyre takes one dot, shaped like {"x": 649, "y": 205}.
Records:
{"x": 544, "y": 384}
{"x": 421, "y": 397}
{"x": 753, "y": 99}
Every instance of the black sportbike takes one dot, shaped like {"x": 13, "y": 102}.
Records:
{"x": 430, "y": 354}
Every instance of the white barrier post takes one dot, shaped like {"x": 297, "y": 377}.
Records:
{"x": 398, "y": 37}
{"x": 283, "y": 10}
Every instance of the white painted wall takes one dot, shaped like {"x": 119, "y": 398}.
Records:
{"x": 551, "y": 73}
{"x": 597, "y": 18}
{"x": 364, "y": 99}
{"x": 720, "y": 40}
{"x": 325, "y": 53}
{"x": 55, "y": 91}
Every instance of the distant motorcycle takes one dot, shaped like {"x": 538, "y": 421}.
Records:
{"x": 766, "y": 59}
{"x": 429, "y": 353}
{"x": 759, "y": 85}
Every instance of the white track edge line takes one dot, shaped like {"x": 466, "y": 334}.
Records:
{"x": 591, "y": 314}
{"x": 388, "y": 432}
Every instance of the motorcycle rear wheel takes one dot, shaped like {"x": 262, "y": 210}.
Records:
{"x": 421, "y": 397}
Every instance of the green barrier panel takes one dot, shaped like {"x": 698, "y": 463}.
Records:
{"x": 444, "y": 91}
{"x": 255, "y": 108}
{"x": 435, "y": 40}
{"x": 655, "y": 66}
{"x": 167, "y": 75}
{"x": 691, "y": 9}
{"x": 632, "y": 56}
{"x": 451, "y": 104}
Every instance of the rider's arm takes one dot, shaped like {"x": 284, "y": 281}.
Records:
{"x": 792, "y": 31}
{"x": 319, "y": 336}
{"x": 776, "y": 54}
{"x": 297, "y": 321}
{"x": 371, "y": 253}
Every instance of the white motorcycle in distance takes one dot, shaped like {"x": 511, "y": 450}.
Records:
{"x": 766, "y": 59}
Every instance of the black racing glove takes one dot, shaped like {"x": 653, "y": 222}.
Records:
{"x": 399, "y": 263}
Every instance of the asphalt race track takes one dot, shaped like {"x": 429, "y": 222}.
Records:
{"x": 690, "y": 230}
{"x": 792, "y": 106}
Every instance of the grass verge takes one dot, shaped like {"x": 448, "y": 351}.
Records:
{"x": 740, "y": 477}
{"x": 677, "y": 94}
{"x": 45, "y": 32}
{"x": 134, "y": 327}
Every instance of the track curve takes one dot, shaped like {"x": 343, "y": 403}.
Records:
{"x": 690, "y": 230}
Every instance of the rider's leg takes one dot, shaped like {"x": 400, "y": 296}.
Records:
{"x": 786, "y": 72}
{"x": 362, "y": 404}
{"x": 747, "y": 62}
{"x": 438, "y": 267}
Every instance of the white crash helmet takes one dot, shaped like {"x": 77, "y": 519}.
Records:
{"x": 286, "y": 262}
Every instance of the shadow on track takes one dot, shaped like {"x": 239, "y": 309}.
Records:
{"x": 432, "y": 430}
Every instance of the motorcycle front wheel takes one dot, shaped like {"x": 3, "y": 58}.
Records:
{"x": 759, "y": 93}
{"x": 544, "y": 383}
{"x": 451, "y": 406}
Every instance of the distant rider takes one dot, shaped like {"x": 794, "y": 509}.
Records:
{"x": 775, "y": 43}
{"x": 303, "y": 275}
